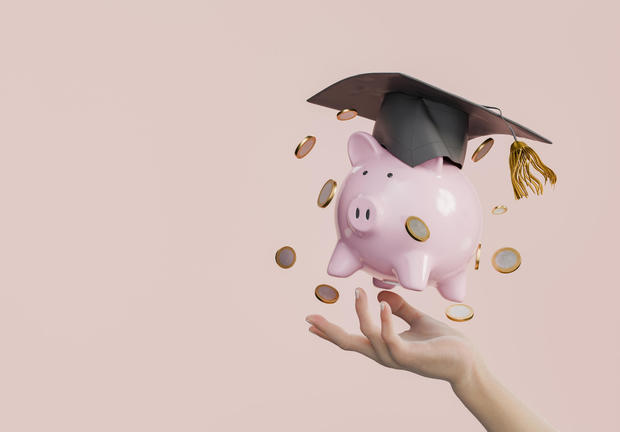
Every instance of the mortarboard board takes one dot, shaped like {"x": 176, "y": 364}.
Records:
{"x": 417, "y": 122}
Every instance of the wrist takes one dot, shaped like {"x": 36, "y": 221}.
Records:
{"x": 472, "y": 380}
{"x": 492, "y": 404}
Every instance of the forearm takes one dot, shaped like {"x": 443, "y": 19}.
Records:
{"x": 494, "y": 406}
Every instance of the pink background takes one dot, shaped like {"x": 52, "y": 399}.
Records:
{"x": 147, "y": 178}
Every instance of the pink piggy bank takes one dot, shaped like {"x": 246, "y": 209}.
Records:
{"x": 376, "y": 199}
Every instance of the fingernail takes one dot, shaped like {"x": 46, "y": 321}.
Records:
{"x": 357, "y": 293}
{"x": 383, "y": 306}
{"x": 308, "y": 320}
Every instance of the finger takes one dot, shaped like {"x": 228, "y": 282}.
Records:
{"x": 393, "y": 342}
{"x": 400, "y": 307}
{"x": 316, "y": 331}
{"x": 370, "y": 329}
{"x": 339, "y": 337}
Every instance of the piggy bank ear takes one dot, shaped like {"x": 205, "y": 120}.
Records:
{"x": 362, "y": 147}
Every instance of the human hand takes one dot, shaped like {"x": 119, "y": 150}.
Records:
{"x": 432, "y": 349}
{"x": 429, "y": 348}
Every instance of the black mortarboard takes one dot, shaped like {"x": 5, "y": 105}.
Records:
{"x": 417, "y": 122}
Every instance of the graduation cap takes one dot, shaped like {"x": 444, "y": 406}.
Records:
{"x": 417, "y": 122}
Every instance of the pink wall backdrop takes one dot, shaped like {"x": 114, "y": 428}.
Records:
{"x": 147, "y": 178}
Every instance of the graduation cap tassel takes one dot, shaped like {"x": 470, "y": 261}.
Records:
{"x": 522, "y": 157}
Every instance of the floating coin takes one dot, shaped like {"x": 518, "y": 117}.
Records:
{"x": 304, "y": 147}
{"x": 417, "y": 228}
{"x": 506, "y": 260}
{"x": 326, "y": 293}
{"x": 327, "y": 193}
{"x": 499, "y": 209}
{"x": 482, "y": 149}
{"x": 478, "y": 256}
{"x": 286, "y": 257}
{"x": 460, "y": 312}
{"x": 346, "y": 114}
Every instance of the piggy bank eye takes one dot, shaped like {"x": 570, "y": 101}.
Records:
{"x": 365, "y": 172}
{"x": 390, "y": 175}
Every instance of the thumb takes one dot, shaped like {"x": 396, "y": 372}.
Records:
{"x": 400, "y": 307}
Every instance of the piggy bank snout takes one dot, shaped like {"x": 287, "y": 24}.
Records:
{"x": 362, "y": 214}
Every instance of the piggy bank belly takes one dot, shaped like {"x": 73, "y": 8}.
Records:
{"x": 371, "y": 217}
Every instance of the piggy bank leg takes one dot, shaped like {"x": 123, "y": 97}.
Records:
{"x": 343, "y": 262}
{"x": 453, "y": 288}
{"x": 413, "y": 270}
{"x": 384, "y": 284}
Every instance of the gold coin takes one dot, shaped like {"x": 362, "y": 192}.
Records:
{"x": 346, "y": 114}
{"x": 499, "y": 210}
{"x": 506, "y": 260}
{"x": 326, "y": 293}
{"x": 286, "y": 257}
{"x": 459, "y": 312}
{"x": 478, "y": 256}
{"x": 327, "y": 193}
{"x": 482, "y": 149}
{"x": 417, "y": 228}
{"x": 305, "y": 146}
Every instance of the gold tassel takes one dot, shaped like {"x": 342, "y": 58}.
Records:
{"x": 522, "y": 157}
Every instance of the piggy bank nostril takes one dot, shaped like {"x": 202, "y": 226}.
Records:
{"x": 362, "y": 215}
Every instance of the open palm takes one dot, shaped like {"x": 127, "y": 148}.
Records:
{"x": 429, "y": 348}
